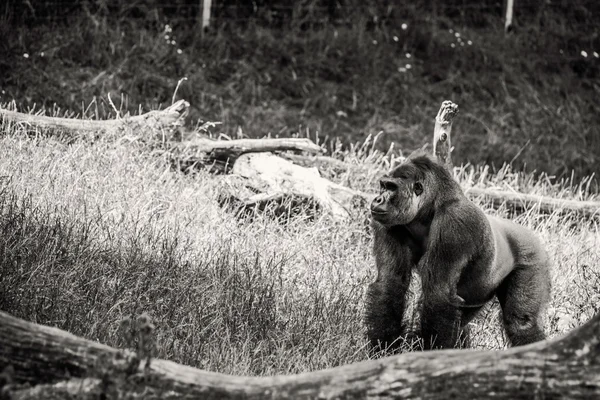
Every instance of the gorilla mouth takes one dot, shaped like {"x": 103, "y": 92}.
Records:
{"x": 381, "y": 216}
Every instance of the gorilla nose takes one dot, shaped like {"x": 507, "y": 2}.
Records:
{"x": 378, "y": 206}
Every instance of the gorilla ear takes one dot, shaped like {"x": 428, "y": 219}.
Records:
{"x": 418, "y": 188}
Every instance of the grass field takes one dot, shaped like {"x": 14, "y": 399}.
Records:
{"x": 94, "y": 233}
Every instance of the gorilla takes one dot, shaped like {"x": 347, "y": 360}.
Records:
{"x": 422, "y": 221}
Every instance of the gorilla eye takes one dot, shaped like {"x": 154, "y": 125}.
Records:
{"x": 418, "y": 188}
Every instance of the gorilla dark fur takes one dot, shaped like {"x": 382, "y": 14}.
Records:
{"x": 423, "y": 221}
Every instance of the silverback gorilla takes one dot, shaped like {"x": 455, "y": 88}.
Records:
{"x": 423, "y": 221}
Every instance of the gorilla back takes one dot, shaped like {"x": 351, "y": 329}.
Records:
{"x": 423, "y": 221}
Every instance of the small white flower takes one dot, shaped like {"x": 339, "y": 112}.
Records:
{"x": 173, "y": 42}
{"x": 596, "y": 54}
{"x": 179, "y": 51}
{"x": 457, "y": 34}
{"x": 401, "y": 69}
{"x": 26, "y": 55}
{"x": 167, "y": 37}
{"x": 408, "y": 55}
{"x": 584, "y": 53}
{"x": 451, "y": 30}
{"x": 42, "y": 54}
{"x": 395, "y": 38}
{"x": 404, "y": 26}
{"x": 408, "y": 66}
{"x": 374, "y": 41}
{"x": 469, "y": 43}
{"x": 452, "y": 45}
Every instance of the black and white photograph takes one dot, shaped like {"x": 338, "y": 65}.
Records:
{"x": 311, "y": 199}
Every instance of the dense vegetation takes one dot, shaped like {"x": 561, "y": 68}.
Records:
{"x": 342, "y": 68}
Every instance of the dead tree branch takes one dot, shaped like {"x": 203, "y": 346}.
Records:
{"x": 442, "y": 146}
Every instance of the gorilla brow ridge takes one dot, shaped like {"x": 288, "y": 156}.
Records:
{"x": 427, "y": 164}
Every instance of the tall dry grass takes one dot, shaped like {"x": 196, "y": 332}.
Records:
{"x": 96, "y": 232}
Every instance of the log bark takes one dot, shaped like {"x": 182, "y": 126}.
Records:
{"x": 56, "y": 364}
{"x": 234, "y": 148}
{"x": 170, "y": 117}
{"x": 442, "y": 146}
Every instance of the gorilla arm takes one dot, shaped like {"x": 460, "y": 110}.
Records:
{"x": 451, "y": 246}
{"x": 395, "y": 257}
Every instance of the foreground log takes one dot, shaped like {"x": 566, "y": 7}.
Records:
{"x": 56, "y": 364}
{"x": 168, "y": 118}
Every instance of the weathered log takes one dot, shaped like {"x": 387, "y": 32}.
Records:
{"x": 219, "y": 156}
{"x": 170, "y": 117}
{"x": 237, "y": 147}
{"x": 55, "y": 364}
{"x": 519, "y": 202}
{"x": 442, "y": 146}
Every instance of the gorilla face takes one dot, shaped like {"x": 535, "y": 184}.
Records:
{"x": 399, "y": 199}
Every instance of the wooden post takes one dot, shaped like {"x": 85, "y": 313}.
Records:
{"x": 206, "y": 7}
{"x": 508, "y": 15}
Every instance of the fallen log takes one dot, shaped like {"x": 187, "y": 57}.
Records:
{"x": 237, "y": 147}
{"x": 520, "y": 202}
{"x": 218, "y": 156}
{"x": 170, "y": 117}
{"x": 55, "y": 364}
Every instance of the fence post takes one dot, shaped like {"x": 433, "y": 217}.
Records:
{"x": 206, "y": 7}
{"x": 508, "y": 17}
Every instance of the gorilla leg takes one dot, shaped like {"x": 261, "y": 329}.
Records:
{"x": 523, "y": 296}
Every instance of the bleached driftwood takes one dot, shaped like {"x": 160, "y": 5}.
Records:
{"x": 170, "y": 117}
{"x": 57, "y": 365}
{"x": 281, "y": 177}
